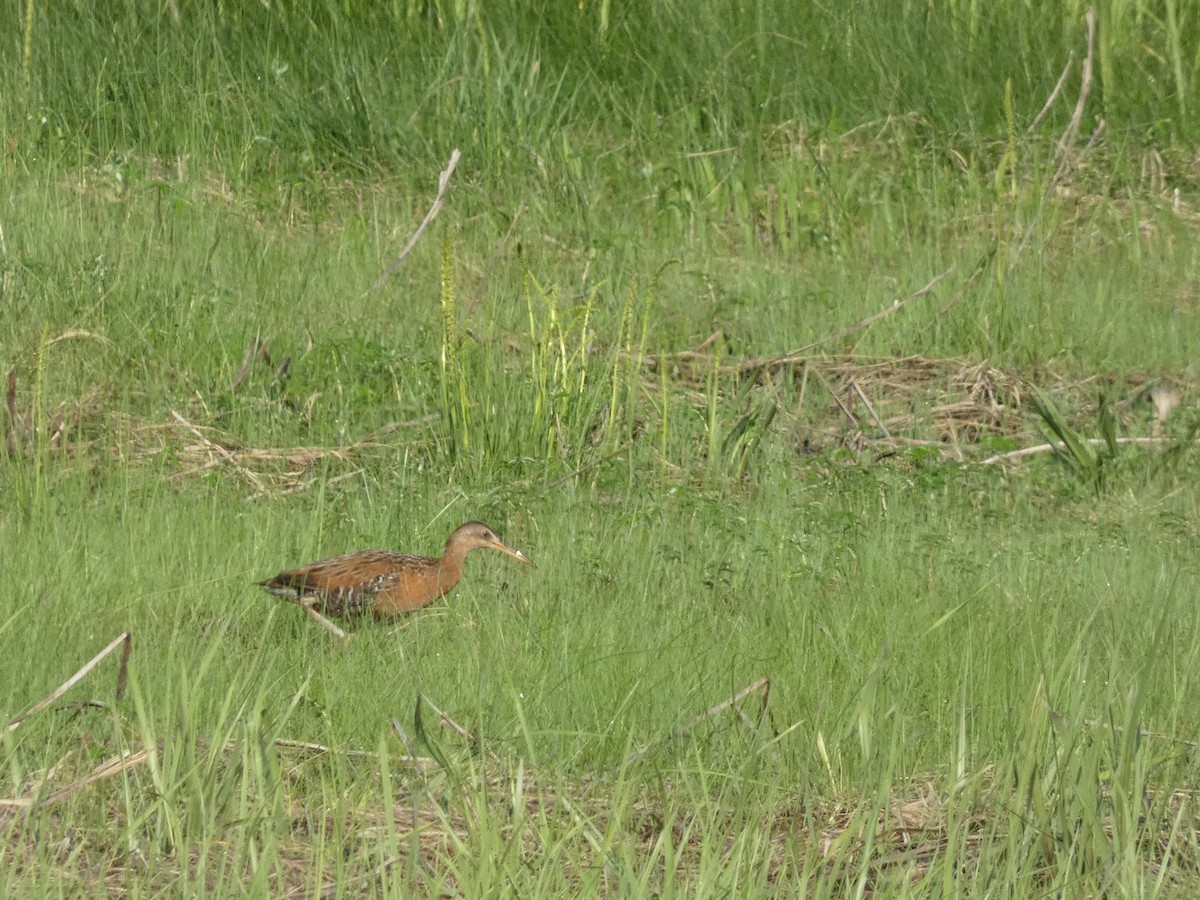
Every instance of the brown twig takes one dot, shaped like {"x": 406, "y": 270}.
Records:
{"x": 1068, "y": 137}
{"x": 1048, "y": 448}
{"x": 1062, "y": 80}
{"x": 836, "y": 399}
{"x": 1085, "y": 87}
{"x": 434, "y": 209}
{"x": 123, "y": 670}
{"x": 587, "y": 467}
{"x": 897, "y": 305}
{"x": 254, "y": 351}
{"x": 385, "y": 430}
{"x": 962, "y": 291}
{"x": 307, "y": 604}
{"x": 761, "y": 686}
{"x": 106, "y": 769}
{"x": 446, "y": 720}
{"x": 318, "y": 749}
{"x": 126, "y": 639}
{"x": 870, "y": 409}
{"x": 75, "y": 333}
{"x": 418, "y": 761}
{"x": 227, "y": 455}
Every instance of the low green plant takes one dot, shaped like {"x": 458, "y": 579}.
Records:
{"x": 1089, "y": 462}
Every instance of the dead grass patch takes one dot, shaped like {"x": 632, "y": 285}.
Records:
{"x": 885, "y": 405}
{"x": 438, "y": 828}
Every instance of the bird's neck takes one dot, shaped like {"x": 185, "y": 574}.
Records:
{"x": 451, "y": 566}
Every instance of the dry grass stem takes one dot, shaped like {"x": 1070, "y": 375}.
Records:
{"x": 962, "y": 291}
{"x": 106, "y": 769}
{"x": 1062, "y": 80}
{"x": 1067, "y": 141}
{"x": 434, "y": 209}
{"x": 220, "y": 451}
{"x": 870, "y": 409}
{"x": 449, "y": 722}
{"x": 1049, "y": 448}
{"x": 762, "y": 687}
{"x": 308, "y": 604}
{"x": 255, "y": 351}
{"x": 795, "y": 355}
{"x": 125, "y": 639}
{"x": 270, "y": 471}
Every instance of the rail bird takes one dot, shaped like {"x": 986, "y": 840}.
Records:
{"x": 382, "y": 582}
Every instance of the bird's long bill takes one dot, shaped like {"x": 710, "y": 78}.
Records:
{"x": 513, "y": 552}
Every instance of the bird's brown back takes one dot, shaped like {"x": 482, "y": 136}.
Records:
{"x": 378, "y": 581}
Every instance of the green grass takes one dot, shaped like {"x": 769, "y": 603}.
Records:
{"x": 980, "y": 676}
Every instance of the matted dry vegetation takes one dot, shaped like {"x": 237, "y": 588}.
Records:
{"x": 872, "y": 407}
{"x": 431, "y": 828}
{"x": 346, "y": 847}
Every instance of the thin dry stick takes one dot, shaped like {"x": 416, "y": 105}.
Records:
{"x": 418, "y": 761}
{"x": 709, "y": 341}
{"x": 221, "y": 451}
{"x": 123, "y": 671}
{"x": 1158, "y": 735}
{"x": 1048, "y": 448}
{"x": 304, "y": 486}
{"x": 106, "y": 769}
{"x": 1062, "y": 79}
{"x": 1068, "y": 136}
{"x": 126, "y": 639}
{"x": 803, "y": 392}
{"x": 454, "y": 726}
{"x": 403, "y": 735}
{"x": 307, "y": 603}
{"x": 256, "y": 349}
{"x": 50, "y": 775}
{"x": 320, "y": 749}
{"x": 443, "y": 180}
{"x": 962, "y": 291}
{"x": 832, "y": 393}
{"x": 793, "y": 355}
{"x": 1085, "y": 87}
{"x": 870, "y": 409}
{"x": 387, "y": 429}
{"x": 589, "y": 466}
{"x": 1096, "y": 132}
{"x": 761, "y": 686}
